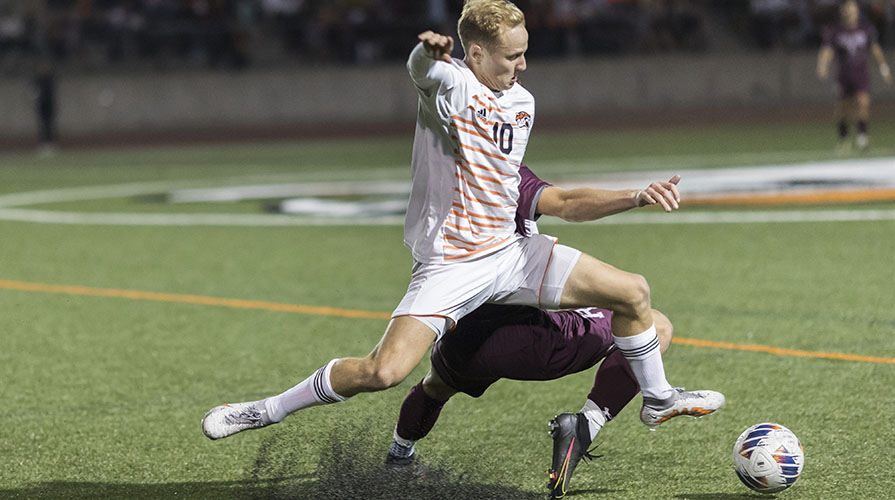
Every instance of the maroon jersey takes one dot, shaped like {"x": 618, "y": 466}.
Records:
{"x": 530, "y": 188}
{"x": 520, "y": 343}
{"x": 852, "y": 49}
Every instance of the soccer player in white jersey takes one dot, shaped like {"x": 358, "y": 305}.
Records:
{"x": 472, "y": 129}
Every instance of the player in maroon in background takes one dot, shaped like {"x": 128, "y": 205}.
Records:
{"x": 526, "y": 343}
{"x": 851, "y": 42}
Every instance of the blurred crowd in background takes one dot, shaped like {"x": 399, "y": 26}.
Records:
{"x": 236, "y": 34}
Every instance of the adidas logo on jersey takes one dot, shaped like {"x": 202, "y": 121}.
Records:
{"x": 483, "y": 113}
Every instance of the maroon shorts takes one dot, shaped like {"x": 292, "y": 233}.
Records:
{"x": 520, "y": 343}
{"x": 853, "y": 83}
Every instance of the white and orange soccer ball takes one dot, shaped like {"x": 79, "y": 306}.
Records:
{"x": 768, "y": 457}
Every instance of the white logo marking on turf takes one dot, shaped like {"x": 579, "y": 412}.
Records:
{"x": 873, "y": 173}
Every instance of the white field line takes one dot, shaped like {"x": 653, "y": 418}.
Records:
{"x": 276, "y": 220}
{"x": 86, "y": 193}
{"x": 866, "y": 172}
{"x": 685, "y": 161}
{"x": 742, "y": 217}
{"x": 194, "y": 219}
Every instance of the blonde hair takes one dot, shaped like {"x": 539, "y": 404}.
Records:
{"x": 483, "y": 21}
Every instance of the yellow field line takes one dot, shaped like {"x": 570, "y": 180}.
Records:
{"x": 350, "y": 313}
{"x": 781, "y": 351}
{"x": 189, "y": 299}
{"x": 786, "y": 198}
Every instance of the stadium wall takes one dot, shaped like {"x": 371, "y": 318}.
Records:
{"x": 333, "y": 97}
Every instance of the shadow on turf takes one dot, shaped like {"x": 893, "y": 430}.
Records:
{"x": 350, "y": 467}
{"x": 722, "y": 496}
{"x": 95, "y": 491}
{"x": 593, "y": 491}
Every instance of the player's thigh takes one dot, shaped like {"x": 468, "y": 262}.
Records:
{"x": 594, "y": 283}
{"x": 404, "y": 344}
{"x": 862, "y": 104}
{"x": 846, "y": 105}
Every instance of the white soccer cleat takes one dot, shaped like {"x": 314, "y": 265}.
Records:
{"x": 227, "y": 420}
{"x": 862, "y": 142}
{"x": 844, "y": 147}
{"x": 692, "y": 403}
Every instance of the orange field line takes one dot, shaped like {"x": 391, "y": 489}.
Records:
{"x": 828, "y": 196}
{"x": 782, "y": 351}
{"x": 190, "y": 299}
{"x": 350, "y": 313}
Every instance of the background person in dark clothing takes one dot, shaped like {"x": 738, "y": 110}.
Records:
{"x": 44, "y": 85}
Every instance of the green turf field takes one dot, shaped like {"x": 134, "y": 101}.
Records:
{"x": 103, "y": 395}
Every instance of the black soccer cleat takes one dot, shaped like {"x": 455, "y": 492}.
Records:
{"x": 409, "y": 468}
{"x": 394, "y": 461}
{"x": 571, "y": 437}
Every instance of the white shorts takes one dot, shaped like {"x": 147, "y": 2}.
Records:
{"x": 529, "y": 271}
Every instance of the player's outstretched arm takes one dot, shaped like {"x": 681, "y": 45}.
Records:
{"x": 584, "y": 204}
{"x": 884, "y": 70}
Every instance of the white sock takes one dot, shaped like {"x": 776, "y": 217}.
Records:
{"x": 645, "y": 357}
{"x": 313, "y": 391}
{"x": 401, "y": 447}
{"x": 596, "y": 419}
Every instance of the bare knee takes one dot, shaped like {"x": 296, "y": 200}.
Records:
{"x": 635, "y": 302}
{"x": 664, "y": 329}
{"x": 378, "y": 376}
{"x": 396, "y": 355}
{"x": 385, "y": 377}
{"x": 436, "y": 388}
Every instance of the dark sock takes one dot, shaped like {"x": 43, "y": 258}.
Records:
{"x": 419, "y": 412}
{"x": 862, "y": 127}
{"x": 614, "y": 385}
{"x": 843, "y": 129}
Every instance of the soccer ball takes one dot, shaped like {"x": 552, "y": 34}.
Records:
{"x": 768, "y": 457}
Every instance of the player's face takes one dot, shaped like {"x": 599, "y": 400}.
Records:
{"x": 850, "y": 13}
{"x": 500, "y": 66}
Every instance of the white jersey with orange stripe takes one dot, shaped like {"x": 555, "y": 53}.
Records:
{"x": 467, "y": 150}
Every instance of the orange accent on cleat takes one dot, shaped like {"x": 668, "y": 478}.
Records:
{"x": 669, "y": 416}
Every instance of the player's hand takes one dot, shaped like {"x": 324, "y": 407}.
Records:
{"x": 886, "y": 73}
{"x": 661, "y": 193}
{"x": 438, "y": 46}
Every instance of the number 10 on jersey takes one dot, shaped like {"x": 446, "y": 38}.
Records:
{"x": 503, "y": 137}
